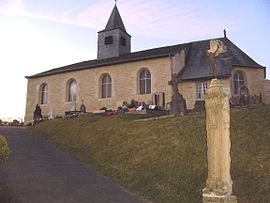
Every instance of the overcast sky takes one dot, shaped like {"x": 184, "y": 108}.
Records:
{"x": 38, "y": 35}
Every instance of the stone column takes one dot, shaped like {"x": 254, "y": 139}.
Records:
{"x": 219, "y": 184}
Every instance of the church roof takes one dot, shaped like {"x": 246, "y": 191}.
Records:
{"x": 115, "y": 21}
{"x": 197, "y": 63}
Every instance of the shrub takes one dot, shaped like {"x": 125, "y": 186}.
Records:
{"x": 4, "y": 149}
{"x": 132, "y": 104}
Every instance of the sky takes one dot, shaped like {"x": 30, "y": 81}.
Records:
{"x": 38, "y": 35}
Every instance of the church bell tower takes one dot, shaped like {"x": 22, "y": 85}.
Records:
{"x": 114, "y": 40}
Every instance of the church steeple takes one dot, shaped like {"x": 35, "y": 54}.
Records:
{"x": 115, "y": 20}
{"x": 114, "y": 40}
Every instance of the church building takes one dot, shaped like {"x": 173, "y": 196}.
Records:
{"x": 119, "y": 75}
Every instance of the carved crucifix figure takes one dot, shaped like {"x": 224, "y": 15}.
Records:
{"x": 216, "y": 47}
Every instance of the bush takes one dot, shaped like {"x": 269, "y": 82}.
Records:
{"x": 4, "y": 149}
{"x": 132, "y": 104}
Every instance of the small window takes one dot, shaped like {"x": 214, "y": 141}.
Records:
{"x": 123, "y": 41}
{"x": 109, "y": 40}
{"x": 239, "y": 82}
{"x": 44, "y": 94}
{"x": 201, "y": 89}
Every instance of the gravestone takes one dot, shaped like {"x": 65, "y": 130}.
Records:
{"x": 82, "y": 108}
{"x": 37, "y": 114}
{"x": 178, "y": 103}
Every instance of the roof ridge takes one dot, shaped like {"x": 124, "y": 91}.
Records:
{"x": 238, "y": 55}
{"x": 124, "y": 55}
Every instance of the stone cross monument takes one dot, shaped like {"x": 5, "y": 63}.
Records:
{"x": 178, "y": 103}
{"x": 219, "y": 184}
{"x": 216, "y": 47}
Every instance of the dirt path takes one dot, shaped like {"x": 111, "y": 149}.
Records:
{"x": 37, "y": 172}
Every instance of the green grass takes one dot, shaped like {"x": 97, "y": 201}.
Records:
{"x": 165, "y": 160}
{"x": 4, "y": 149}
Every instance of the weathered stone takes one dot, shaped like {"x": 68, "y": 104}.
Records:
{"x": 178, "y": 103}
{"x": 219, "y": 183}
{"x": 217, "y": 199}
{"x": 82, "y": 108}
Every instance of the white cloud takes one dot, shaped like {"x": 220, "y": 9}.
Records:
{"x": 173, "y": 21}
{"x": 158, "y": 19}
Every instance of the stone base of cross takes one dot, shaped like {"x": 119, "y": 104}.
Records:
{"x": 178, "y": 103}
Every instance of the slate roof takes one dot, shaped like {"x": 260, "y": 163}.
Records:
{"x": 115, "y": 21}
{"x": 125, "y": 58}
{"x": 197, "y": 60}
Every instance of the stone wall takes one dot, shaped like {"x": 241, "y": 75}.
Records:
{"x": 253, "y": 79}
{"x": 189, "y": 90}
{"x": 114, "y": 49}
{"x": 124, "y": 86}
{"x": 266, "y": 92}
{"x": 178, "y": 62}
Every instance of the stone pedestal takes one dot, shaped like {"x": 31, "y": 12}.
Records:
{"x": 178, "y": 105}
{"x": 219, "y": 199}
{"x": 219, "y": 184}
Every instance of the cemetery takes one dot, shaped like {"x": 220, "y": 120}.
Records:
{"x": 193, "y": 156}
{"x": 165, "y": 160}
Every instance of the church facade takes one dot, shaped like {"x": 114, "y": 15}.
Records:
{"x": 119, "y": 75}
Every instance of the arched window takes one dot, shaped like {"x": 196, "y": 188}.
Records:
{"x": 44, "y": 93}
{"x": 106, "y": 86}
{"x": 145, "y": 82}
{"x": 238, "y": 81}
{"x": 71, "y": 93}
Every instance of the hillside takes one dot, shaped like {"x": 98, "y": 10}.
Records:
{"x": 164, "y": 160}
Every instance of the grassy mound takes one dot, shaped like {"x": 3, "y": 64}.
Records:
{"x": 165, "y": 160}
{"x": 4, "y": 149}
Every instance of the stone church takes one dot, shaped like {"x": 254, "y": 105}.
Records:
{"x": 119, "y": 75}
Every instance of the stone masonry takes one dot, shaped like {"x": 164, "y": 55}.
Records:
{"x": 124, "y": 86}
{"x": 219, "y": 184}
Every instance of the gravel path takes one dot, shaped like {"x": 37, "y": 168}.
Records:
{"x": 38, "y": 172}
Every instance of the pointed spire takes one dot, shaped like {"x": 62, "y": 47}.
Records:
{"x": 115, "y": 20}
